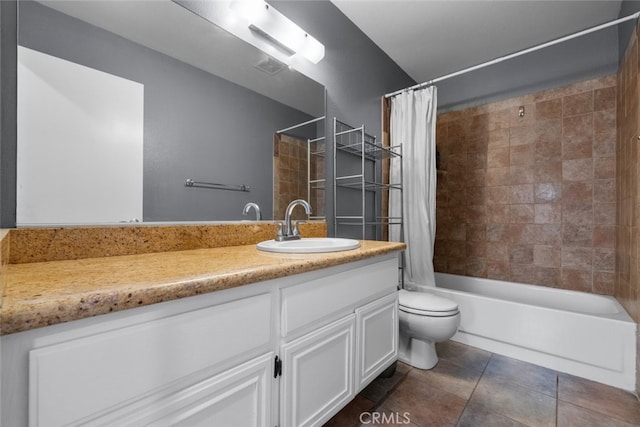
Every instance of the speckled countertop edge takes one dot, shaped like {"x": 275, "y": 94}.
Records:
{"x": 48, "y": 293}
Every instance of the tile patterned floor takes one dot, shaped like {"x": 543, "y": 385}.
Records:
{"x": 474, "y": 388}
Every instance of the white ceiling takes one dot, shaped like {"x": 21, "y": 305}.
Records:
{"x": 429, "y": 38}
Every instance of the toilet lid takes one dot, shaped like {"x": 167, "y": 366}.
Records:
{"x": 426, "y": 303}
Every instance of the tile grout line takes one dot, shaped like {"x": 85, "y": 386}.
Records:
{"x": 616, "y": 417}
{"x": 474, "y": 388}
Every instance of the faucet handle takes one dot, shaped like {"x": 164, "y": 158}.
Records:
{"x": 280, "y": 231}
{"x": 296, "y": 230}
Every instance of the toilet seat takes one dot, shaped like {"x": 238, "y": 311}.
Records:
{"x": 426, "y": 304}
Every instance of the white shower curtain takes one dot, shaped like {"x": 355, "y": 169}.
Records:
{"x": 413, "y": 124}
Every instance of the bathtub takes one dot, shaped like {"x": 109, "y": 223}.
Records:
{"x": 586, "y": 335}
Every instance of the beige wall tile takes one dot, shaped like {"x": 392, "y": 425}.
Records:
{"x": 548, "y": 276}
{"x": 547, "y": 256}
{"x": 581, "y": 103}
{"x": 550, "y": 109}
{"x": 548, "y": 171}
{"x": 548, "y": 192}
{"x": 604, "y": 99}
{"x": 548, "y": 213}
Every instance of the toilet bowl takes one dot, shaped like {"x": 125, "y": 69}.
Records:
{"x": 425, "y": 319}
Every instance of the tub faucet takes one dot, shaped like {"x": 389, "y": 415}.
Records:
{"x": 285, "y": 232}
{"x": 255, "y": 206}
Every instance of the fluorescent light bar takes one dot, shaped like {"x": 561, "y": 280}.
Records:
{"x": 266, "y": 22}
{"x": 285, "y": 49}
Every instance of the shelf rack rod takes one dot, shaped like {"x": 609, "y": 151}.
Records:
{"x": 344, "y": 132}
{"x": 321, "y": 138}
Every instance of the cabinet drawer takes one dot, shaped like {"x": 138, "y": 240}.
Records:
{"x": 79, "y": 378}
{"x": 321, "y": 301}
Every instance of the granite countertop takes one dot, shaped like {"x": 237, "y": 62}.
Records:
{"x": 46, "y": 293}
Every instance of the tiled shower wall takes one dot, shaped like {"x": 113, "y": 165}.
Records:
{"x": 627, "y": 286}
{"x": 526, "y": 188}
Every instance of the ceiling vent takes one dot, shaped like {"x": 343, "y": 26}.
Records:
{"x": 270, "y": 66}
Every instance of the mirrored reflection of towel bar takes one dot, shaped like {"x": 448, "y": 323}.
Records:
{"x": 216, "y": 186}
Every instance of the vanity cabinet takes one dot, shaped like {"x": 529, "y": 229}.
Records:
{"x": 286, "y": 352}
{"x": 340, "y": 332}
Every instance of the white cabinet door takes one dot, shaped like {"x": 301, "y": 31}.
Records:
{"x": 377, "y": 332}
{"x": 86, "y": 378}
{"x": 317, "y": 374}
{"x": 239, "y": 397}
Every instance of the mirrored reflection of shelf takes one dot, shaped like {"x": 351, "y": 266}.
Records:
{"x": 316, "y": 146}
{"x": 317, "y": 184}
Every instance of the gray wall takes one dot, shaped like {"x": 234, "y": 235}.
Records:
{"x": 586, "y": 57}
{"x": 8, "y": 99}
{"x": 196, "y": 125}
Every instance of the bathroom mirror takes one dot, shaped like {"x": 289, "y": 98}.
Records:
{"x": 211, "y": 101}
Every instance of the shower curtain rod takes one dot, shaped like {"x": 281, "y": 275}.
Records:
{"x": 513, "y": 55}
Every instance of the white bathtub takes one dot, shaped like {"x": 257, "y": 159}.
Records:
{"x": 582, "y": 334}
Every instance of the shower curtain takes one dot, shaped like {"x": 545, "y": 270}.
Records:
{"x": 413, "y": 124}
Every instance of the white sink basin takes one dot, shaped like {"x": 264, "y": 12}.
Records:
{"x": 309, "y": 245}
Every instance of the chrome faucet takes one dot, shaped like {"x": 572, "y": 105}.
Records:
{"x": 285, "y": 232}
{"x": 255, "y": 206}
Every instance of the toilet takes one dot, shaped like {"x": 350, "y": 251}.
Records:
{"x": 425, "y": 319}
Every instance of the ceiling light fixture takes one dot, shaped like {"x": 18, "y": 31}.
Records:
{"x": 266, "y": 22}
